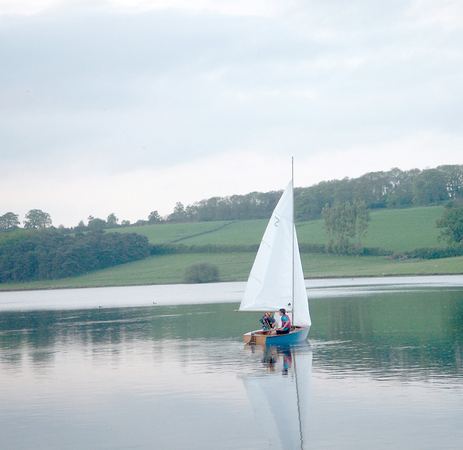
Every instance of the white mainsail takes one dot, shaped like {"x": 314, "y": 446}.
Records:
{"x": 272, "y": 283}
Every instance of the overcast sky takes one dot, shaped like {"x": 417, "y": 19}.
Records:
{"x": 128, "y": 106}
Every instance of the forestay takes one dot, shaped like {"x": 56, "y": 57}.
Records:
{"x": 270, "y": 284}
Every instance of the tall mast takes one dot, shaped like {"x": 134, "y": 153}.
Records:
{"x": 292, "y": 241}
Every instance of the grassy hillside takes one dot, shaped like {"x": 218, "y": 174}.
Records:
{"x": 397, "y": 230}
{"x": 392, "y": 229}
{"x": 236, "y": 266}
{"x": 164, "y": 233}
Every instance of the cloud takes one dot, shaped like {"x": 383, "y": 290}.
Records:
{"x": 26, "y": 7}
{"x": 446, "y": 14}
{"x": 95, "y": 96}
{"x": 263, "y": 8}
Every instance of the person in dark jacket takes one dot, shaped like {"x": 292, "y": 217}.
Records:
{"x": 267, "y": 321}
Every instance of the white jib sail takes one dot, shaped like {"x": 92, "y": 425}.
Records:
{"x": 270, "y": 283}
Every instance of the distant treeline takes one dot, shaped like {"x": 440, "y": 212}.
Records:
{"x": 51, "y": 253}
{"x": 392, "y": 189}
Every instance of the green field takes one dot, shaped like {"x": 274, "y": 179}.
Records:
{"x": 391, "y": 229}
{"x": 397, "y": 230}
{"x": 166, "y": 233}
{"x": 236, "y": 266}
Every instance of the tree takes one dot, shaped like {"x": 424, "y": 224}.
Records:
{"x": 430, "y": 187}
{"x": 400, "y": 191}
{"x": 94, "y": 223}
{"x": 112, "y": 220}
{"x": 80, "y": 225}
{"x": 179, "y": 214}
{"x": 362, "y": 219}
{"x": 36, "y": 219}
{"x": 451, "y": 223}
{"x": 343, "y": 222}
{"x": 454, "y": 180}
{"x": 125, "y": 223}
{"x": 9, "y": 221}
{"x": 154, "y": 217}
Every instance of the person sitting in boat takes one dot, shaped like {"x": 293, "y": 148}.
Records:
{"x": 285, "y": 323}
{"x": 267, "y": 321}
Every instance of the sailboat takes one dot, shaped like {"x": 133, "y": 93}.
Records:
{"x": 276, "y": 279}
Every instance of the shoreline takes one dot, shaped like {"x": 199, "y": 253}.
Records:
{"x": 328, "y": 277}
{"x": 174, "y": 295}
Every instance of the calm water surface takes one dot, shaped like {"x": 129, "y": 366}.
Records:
{"x": 382, "y": 369}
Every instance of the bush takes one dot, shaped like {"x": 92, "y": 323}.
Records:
{"x": 202, "y": 273}
{"x": 374, "y": 251}
{"x": 431, "y": 253}
{"x": 312, "y": 248}
{"x": 169, "y": 249}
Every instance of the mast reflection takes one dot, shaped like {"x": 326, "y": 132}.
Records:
{"x": 279, "y": 393}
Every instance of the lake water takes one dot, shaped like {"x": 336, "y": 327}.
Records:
{"x": 382, "y": 369}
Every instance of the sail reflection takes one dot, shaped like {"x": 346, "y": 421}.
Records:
{"x": 280, "y": 396}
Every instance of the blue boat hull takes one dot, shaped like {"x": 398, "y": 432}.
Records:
{"x": 295, "y": 337}
{"x": 260, "y": 337}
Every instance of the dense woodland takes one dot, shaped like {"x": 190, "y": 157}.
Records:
{"x": 392, "y": 189}
{"x": 51, "y": 253}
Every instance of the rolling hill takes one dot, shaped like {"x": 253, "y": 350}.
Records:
{"x": 391, "y": 229}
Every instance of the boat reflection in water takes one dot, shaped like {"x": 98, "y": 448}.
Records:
{"x": 280, "y": 396}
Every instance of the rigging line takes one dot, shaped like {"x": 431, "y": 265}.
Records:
{"x": 292, "y": 234}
